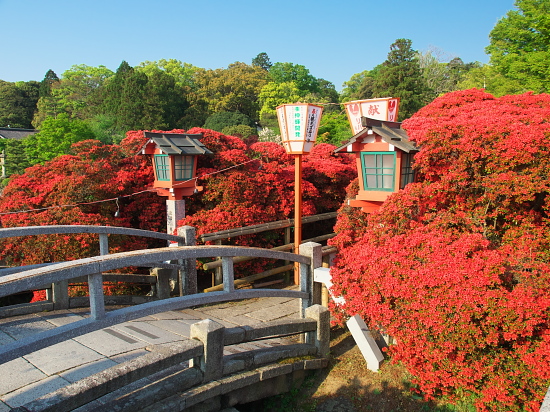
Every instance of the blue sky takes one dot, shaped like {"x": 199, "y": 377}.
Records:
{"x": 333, "y": 39}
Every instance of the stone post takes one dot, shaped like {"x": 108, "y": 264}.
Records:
{"x": 211, "y": 334}
{"x": 188, "y": 271}
{"x": 315, "y": 253}
{"x": 321, "y": 337}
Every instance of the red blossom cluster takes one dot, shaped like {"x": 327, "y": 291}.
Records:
{"x": 262, "y": 190}
{"x": 238, "y": 192}
{"x": 92, "y": 172}
{"x": 457, "y": 267}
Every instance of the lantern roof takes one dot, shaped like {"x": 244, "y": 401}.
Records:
{"x": 177, "y": 144}
{"x": 390, "y": 132}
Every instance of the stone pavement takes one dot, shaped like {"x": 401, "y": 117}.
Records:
{"x": 29, "y": 377}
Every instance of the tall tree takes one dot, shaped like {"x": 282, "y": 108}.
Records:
{"x": 47, "y": 105}
{"x": 18, "y": 103}
{"x": 234, "y": 89}
{"x": 401, "y": 76}
{"x": 46, "y": 84}
{"x": 519, "y": 46}
{"x": 262, "y": 60}
{"x": 77, "y": 86}
{"x": 290, "y": 72}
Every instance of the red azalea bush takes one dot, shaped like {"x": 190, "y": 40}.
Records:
{"x": 93, "y": 172}
{"x": 457, "y": 267}
{"x": 260, "y": 188}
{"x": 238, "y": 192}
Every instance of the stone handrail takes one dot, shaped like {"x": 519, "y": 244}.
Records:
{"x": 59, "y": 299}
{"x": 310, "y": 257}
{"x": 205, "y": 353}
{"x": 101, "y": 230}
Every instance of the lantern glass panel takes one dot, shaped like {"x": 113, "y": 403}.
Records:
{"x": 378, "y": 170}
{"x": 183, "y": 167}
{"x": 407, "y": 172}
{"x": 162, "y": 167}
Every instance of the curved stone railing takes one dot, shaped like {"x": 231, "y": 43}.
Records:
{"x": 57, "y": 293}
{"x": 310, "y": 258}
{"x": 211, "y": 376}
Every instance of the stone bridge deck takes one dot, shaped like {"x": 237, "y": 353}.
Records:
{"x": 36, "y": 374}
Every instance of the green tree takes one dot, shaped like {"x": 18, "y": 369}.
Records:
{"x": 183, "y": 73}
{"x": 18, "y": 103}
{"x": 241, "y": 130}
{"x": 290, "y": 72}
{"x": 401, "y": 76}
{"x": 16, "y": 157}
{"x": 351, "y": 87}
{"x": 274, "y": 94}
{"x": 46, "y": 84}
{"x": 334, "y": 128}
{"x": 135, "y": 100}
{"x": 234, "y": 89}
{"x": 519, "y": 46}
{"x": 262, "y": 60}
{"x": 55, "y": 138}
{"x": 77, "y": 85}
{"x": 365, "y": 89}
{"x": 47, "y": 105}
{"x": 221, "y": 120}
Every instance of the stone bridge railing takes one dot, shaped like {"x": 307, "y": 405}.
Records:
{"x": 57, "y": 296}
{"x": 212, "y": 381}
{"x": 310, "y": 257}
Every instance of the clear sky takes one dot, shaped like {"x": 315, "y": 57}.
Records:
{"x": 332, "y": 38}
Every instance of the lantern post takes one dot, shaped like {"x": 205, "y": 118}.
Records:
{"x": 299, "y": 123}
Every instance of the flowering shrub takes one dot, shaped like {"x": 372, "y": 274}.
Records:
{"x": 237, "y": 193}
{"x": 457, "y": 267}
{"x": 262, "y": 190}
{"x": 93, "y": 172}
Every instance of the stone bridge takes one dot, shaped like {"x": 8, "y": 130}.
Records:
{"x": 191, "y": 352}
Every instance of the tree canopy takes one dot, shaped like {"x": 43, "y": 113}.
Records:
{"x": 519, "y": 46}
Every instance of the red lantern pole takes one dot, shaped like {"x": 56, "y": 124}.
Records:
{"x": 297, "y": 212}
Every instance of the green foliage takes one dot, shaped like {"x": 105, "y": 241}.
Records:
{"x": 55, "y": 138}
{"x": 296, "y": 73}
{"x": 401, "y": 76}
{"x": 234, "y": 89}
{"x": 183, "y": 73}
{"x": 241, "y": 130}
{"x": 519, "y": 46}
{"x": 74, "y": 92}
{"x": 274, "y": 94}
{"x": 16, "y": 157}
{"x": 18, "y": 103}
{"x": 262, "y": 60}
{"x": 221, "y": 120}
{"x": 334, "y": 128}
{"x": 136, "y": 100}
{"x": 351, "y": 87}
{"x": 46, "y": 84}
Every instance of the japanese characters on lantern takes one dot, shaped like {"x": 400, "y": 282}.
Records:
{"x": 299, "y": 123}
{"x": 385, "y": 109}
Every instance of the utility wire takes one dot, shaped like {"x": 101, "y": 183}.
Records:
{"x": 122, "y": 196}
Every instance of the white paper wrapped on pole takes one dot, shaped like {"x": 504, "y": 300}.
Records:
{"x": 322, "y": 275}
{"x": 367, "y": 345}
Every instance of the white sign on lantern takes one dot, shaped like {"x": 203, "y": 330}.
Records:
{"x": 299, "y": 123}
{"x": 385, "y": 109}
